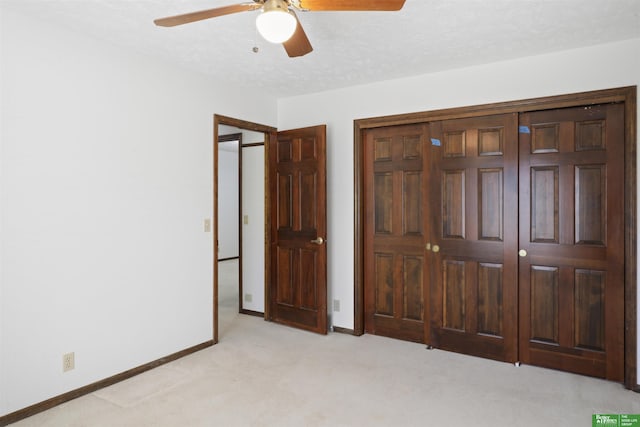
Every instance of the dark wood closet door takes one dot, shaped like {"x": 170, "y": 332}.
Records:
{"x": 474, "y": 208}
{"x": 572, "y": 242}
{"x": 298, "y": 289}
{"x": 396, "y": 227}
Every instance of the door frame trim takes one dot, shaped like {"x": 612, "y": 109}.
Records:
{"x": 268, "y": 131}
{"x": 626, "y": 95}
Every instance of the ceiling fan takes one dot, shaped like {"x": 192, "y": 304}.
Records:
{"x": 278, "y": 22}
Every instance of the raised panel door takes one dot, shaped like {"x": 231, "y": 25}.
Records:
{"x": 571, "y": 229}
{"x": 298, "y": 292}
{"x": 473, "y": 208}
{"x": 396, "y": 228}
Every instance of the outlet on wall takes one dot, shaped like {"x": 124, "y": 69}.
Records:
{"x": 336, "y": 305}
{"x": 68, "y": 361}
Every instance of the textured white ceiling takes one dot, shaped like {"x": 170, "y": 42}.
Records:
{"x": 349, "y": 47}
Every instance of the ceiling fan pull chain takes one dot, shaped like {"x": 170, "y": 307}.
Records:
{"x": 256, "y": 48}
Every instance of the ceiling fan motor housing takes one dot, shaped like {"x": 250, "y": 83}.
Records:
{"x": 275, "y": 6}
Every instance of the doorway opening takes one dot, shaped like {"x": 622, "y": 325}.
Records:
{"x": 229, "y": 231}
{"x": 291, "y": 273}
{"x": 244, "y": 265}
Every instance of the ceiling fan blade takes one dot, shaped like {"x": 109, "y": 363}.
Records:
{"x": 363, "y": 5}
{"x": 298, "y": 44}
{"x": 187, "y": 18}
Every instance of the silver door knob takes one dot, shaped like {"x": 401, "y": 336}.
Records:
{"x": 318, "y": 241}
{"x": 522, "y": 253}
{"x": 435, "y": 248}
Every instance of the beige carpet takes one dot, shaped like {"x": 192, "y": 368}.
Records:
{"x": 263, "y": 374}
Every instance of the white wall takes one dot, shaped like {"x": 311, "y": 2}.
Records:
{"x": 251, "y": 137}
{"x": 599, "y": 67}
{"x": 228, "y": 201}
{"x": 106, "y": 178}
{"x": 253, "y": 232}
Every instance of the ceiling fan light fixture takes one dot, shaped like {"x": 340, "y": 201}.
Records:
{"x": 276, "y": 24}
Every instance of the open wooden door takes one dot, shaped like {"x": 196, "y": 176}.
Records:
{"x": 297, "y": 187}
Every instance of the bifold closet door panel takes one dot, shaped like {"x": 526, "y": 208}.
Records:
{"x": 474, "y": 236}
{"x": 396, "y": 228}
{"x": 572, "y": 240}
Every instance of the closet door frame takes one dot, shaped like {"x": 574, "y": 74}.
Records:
{"x": 625, "y": 95}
